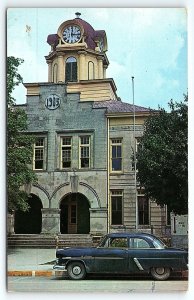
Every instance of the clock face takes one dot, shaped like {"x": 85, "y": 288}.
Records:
{"x": 72, "y": 34}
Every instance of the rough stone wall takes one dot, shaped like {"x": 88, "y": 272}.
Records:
{"x": 72, "y": 118}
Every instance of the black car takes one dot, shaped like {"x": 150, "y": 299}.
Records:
{"x": 123, "y": 253}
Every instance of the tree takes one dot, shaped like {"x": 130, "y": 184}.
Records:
{"x": 19, "y": 144}
{"x": 162, "y": 159}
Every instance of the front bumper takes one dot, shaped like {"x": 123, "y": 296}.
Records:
{"x": 58, "y": 267}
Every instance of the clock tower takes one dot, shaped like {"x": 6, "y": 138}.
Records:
{"x": 78, "y": 58}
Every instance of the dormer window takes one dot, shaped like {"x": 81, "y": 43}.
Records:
{"x": 71, "y": 69}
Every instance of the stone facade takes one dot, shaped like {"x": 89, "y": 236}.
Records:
{"x": 73, "y": 119}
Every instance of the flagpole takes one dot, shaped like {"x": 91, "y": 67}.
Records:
{"x": 135, "y": 166}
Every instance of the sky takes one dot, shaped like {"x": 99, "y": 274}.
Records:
{"x": 147, "y": 43}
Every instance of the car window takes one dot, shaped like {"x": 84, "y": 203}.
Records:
{"x": 118, "y": 243}
{"x": 103, "y": 242}
{"x": 114, "y": 243}
{"x": 158, "y": 244}
{"x": 139, "y": 243}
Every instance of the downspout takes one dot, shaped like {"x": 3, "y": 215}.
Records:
{"x": 108, "y": 177}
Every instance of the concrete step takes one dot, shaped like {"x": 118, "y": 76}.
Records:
{"x": 45, "y": 241}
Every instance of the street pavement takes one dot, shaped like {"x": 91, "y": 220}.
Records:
{"x": 29, "y": 262}
{"x": 94, "y": 285}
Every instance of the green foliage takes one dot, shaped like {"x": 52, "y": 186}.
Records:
{"x": 13, "y": 77}
{"x": 19, "y": 144}
{"x": 162, "y": 160}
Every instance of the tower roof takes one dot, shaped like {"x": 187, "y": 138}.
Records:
{"x": 91, "y": 35}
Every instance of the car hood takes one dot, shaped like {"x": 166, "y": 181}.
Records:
{"x": 77, "y": 251}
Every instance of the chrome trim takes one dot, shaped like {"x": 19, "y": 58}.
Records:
{"x": 138, "y": 264}
{"x": 109, "y": 258}
{"x": 57, "y": 267}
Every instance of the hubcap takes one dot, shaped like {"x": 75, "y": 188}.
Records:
{"x": 160, "y": 271}
{"x": 76, "y": 270}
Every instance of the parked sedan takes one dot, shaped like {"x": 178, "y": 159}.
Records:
{"x": 123, "y": 253}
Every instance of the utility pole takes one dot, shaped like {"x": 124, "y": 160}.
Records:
{"x": 135, "y": 165}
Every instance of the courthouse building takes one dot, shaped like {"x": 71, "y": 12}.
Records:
{"x": 83, "y": 154}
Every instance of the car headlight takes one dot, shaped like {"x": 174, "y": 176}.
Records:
{"x": 57, "y": 260}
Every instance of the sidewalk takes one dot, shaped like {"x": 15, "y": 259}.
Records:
{"x": 31, "y": 262}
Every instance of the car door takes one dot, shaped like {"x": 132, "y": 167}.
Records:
{"x": 140, "y": 251}
{"x": 112, "y": 257}
{"x": 143, "y": 256}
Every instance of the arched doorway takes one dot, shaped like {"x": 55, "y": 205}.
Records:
{"x": 29, "y": 222}
{"x": 75, "y": 215}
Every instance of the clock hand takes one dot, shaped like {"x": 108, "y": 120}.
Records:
{"x": 71, "y": 33}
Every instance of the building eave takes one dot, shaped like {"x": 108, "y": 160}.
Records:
{"x": 127, "y": 114}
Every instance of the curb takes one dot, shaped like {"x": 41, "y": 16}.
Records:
{"x": 57, "y": 273}
{"x": 38, "y": 273}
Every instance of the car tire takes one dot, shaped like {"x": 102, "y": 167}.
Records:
{"x": 160, "y": 273}
{"x": 76, "y": 270}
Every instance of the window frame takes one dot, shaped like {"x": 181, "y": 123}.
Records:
{"x": 63, "y": 146}
{"x": 71, "y": 62}
{"x": 116, "y": 144}
{"x": 39, "y": 147}
{"x": 134, "y": 156}
{"x": 117, "y": 194}
{"x": 81, "y": 146}
{"x": 141, "y": 195}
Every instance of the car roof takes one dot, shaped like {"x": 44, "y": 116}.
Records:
{"x": 131, "y": 234}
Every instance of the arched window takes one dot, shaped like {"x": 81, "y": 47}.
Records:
{"x": 71, "y": 69}
{"x": 55, "y": 73}
{"x": 90, "y": 70}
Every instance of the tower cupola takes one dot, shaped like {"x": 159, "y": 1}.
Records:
{"x": 77, "y": 54}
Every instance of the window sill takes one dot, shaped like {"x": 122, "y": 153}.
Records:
{"x": 116, "y": 173}
{"x": 73, "y": 169}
